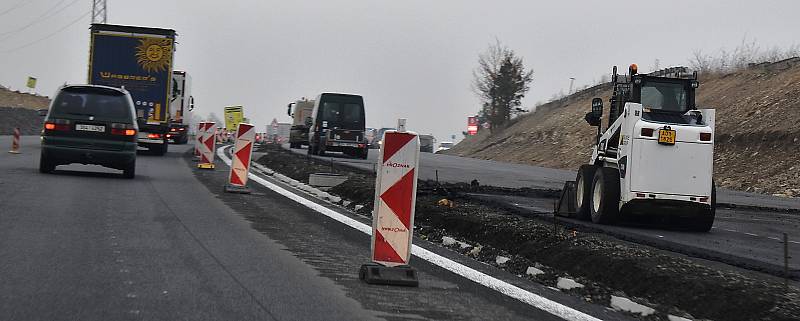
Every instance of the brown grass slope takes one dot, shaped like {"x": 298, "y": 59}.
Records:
{"x": 757, "y": 138}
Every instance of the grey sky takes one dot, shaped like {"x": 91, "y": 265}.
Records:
{"x": 409, "y": 59}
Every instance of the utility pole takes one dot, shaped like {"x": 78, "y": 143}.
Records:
{"x": 571, "y": 82}
{"x": 99, "y": 13}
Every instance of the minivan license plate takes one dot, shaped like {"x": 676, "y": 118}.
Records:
{"x": 90, "y": 128}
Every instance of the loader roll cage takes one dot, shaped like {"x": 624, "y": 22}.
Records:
{"x": 666, "y": 95}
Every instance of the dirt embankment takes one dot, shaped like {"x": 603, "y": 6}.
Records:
{"x": 757, "y": 138}
{"x": 18, "y": 110}
{"x": 670, "y": 283}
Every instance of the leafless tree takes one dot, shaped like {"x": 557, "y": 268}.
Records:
{"x": 500, "y": 81}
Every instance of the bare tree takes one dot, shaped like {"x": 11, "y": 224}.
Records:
{"x": 500, "y": 81}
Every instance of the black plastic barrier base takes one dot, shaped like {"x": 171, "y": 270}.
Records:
{"x": 403, "y": 275}
{"x": 236, "y": 189}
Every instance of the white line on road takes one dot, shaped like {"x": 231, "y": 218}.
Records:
{"x": 751, "y": 234}
{"x": 505, "y": 288}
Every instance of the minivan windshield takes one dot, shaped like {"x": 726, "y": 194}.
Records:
{"x": 99, "y": 104}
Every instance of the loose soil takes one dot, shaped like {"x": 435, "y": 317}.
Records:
{"x": 670, "y": 283}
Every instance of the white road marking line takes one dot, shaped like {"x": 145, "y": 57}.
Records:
{"x": 795, "y": 242}
{"x": 751, "y": 234}
{"x": 773, "y": 238}
{"x": 505, "y": 288}
{"x": 660, "y": 236}
{"x": 735, "y": 231}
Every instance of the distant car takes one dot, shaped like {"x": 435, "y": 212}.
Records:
{"x": 378, "y": 140}
{"x": 426, "y": 143}
{"x": 443, "y": 146}
{"x": 89, "y": 124}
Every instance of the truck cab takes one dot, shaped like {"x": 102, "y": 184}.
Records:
{"x": 337, "y": 124}
{"x": 300, "y": 111}
{"x": 181, "y": 104}
{"x": 655, "y": 156}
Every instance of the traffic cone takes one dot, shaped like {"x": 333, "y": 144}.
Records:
{"x": 15, "y": 142}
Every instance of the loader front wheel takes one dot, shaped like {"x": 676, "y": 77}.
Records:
{"x": 605, "y": 196}
{"x": 583, "y": 188}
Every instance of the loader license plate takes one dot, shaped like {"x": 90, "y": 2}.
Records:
{"x": 666, "y": 136}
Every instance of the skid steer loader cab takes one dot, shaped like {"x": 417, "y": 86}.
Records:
{"x": 655, "y": 156}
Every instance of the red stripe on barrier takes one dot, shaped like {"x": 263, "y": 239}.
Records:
{"x": 384, "y": 251}
{"x": 398, "y": 198}
{"x": 394, "y": 143}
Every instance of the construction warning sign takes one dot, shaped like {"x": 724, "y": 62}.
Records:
{"x": 395, "y": 196}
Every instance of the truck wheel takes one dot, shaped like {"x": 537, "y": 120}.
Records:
{"x": 605, "y": 196}
{"x": 706, "y": 221}
{"x": 364, "y": 153}
{"x": 161, "y": 149}
{"x": 583, "y": 186}
{"x": 45, "y": 166}
{"x": 130, "y": 170}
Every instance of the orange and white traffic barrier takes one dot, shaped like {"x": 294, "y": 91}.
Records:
{"x": 240, "y": 162}
{"x": 393, "y": 216}
{"x": 208, "y": 146}
{"x": 15, "y": 142}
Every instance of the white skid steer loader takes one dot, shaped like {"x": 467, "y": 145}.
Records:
{"x": 655, "y": 157}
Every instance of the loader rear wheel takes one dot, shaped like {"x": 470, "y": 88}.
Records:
{"x": 705, "y": 222}
{"x": 605, "y": 196}
{"x": 583, "y": 188}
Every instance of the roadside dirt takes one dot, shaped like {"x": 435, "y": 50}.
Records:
{"x": 27, "y": 120}
{"x": 670, "y": 283}
{"x": 757, "y": 139}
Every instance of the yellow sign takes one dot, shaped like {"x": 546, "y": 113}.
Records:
{"x": 233, "y": 116}
{"x": 31, "y": 82}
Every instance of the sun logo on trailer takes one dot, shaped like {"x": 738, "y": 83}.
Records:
{"x": 154, "y": 54}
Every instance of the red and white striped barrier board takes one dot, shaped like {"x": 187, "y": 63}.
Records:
{"x": 395, "y": 196}
{"x": 242, "y": 152}
{"x": 198, "y": 139}
{"x": 207, "y": 147}
{"x": 15, "y": 142}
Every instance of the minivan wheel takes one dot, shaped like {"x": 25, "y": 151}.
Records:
{"x": 130, "y": 170}
{"x": 45, "y": 166}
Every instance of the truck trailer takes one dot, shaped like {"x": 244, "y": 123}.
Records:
{"x": 138, "y": 59}
{"x": 181, "y": 105}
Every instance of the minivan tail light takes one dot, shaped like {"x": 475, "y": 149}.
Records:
{"x": 705, "y": 137}
{"x": 123, "y": 132}
{"x": 57, "y": 125}
{"x": 155, "y": 136}
{"x": 647, "y": 132}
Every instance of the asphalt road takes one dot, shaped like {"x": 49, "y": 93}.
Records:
{"x": 84, "y": 243}
{"x": 463, "y": 169}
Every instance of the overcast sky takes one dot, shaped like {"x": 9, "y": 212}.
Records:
{"x": 410, "y": 59}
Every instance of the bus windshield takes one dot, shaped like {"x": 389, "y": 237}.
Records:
{"x": 342, "y": 113}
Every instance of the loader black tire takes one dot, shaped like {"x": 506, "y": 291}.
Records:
{"x": 605, "y": 196}
{"x": 706, "y": 221}
{"x": 583, "y": 189}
